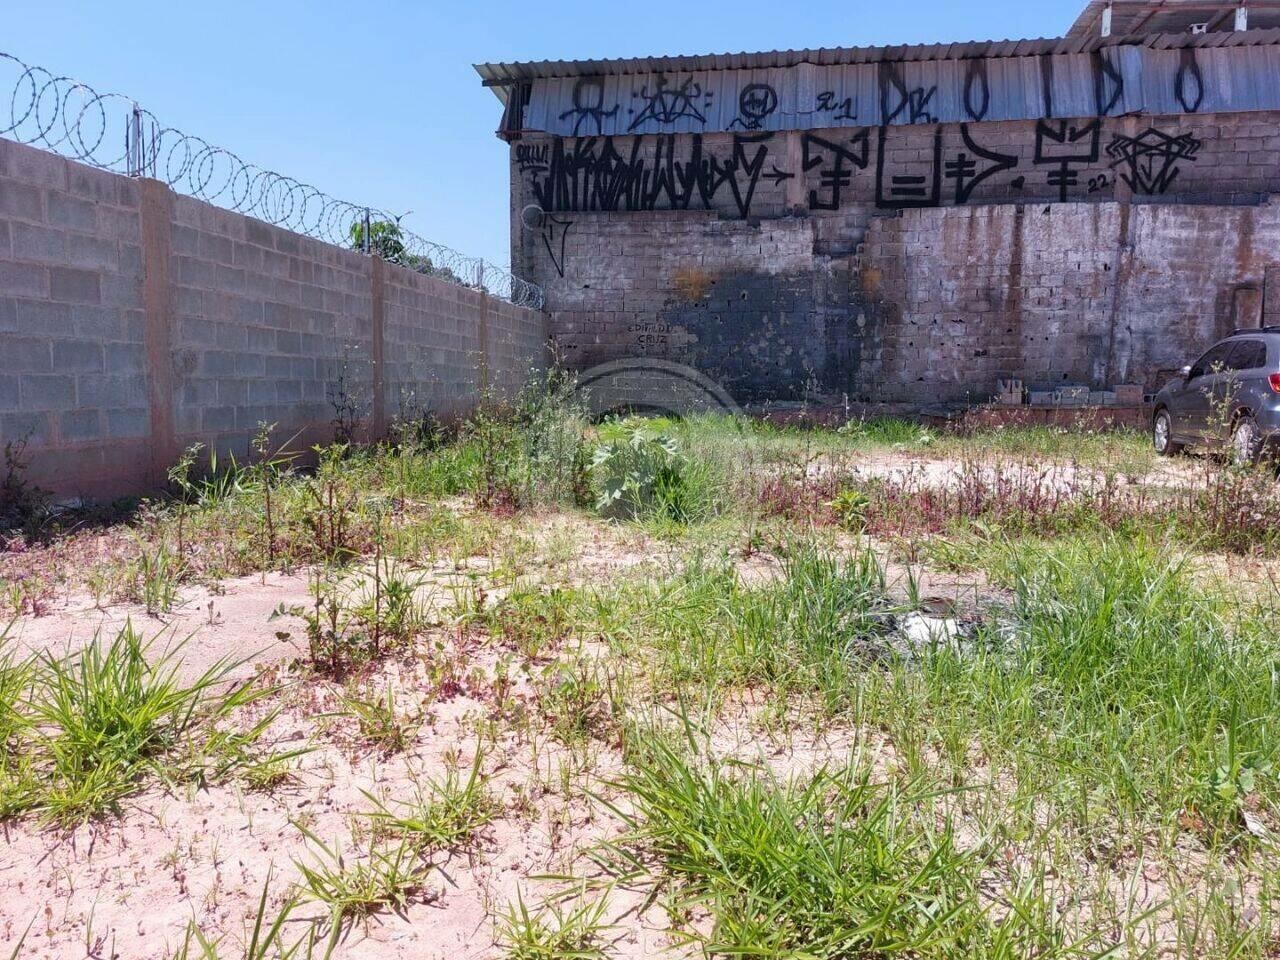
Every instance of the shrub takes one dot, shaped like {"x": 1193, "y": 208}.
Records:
{"x": 643, "y": 475}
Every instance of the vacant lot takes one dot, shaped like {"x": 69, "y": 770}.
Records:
{"x": 541, "y": 688}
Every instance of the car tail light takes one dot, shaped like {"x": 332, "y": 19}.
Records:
{"x": 1275, "y": 382}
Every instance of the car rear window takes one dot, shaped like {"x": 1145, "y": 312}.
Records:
{"x": 1247, "y": 355}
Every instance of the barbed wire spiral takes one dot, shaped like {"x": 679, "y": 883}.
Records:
{"x": 112, "y": 132}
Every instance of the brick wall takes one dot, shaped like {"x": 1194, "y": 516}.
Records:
{"x": 911, "y": 264}
{"x": 134, "y": 321}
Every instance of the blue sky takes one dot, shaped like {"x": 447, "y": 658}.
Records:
{"x": 377, "y": 102}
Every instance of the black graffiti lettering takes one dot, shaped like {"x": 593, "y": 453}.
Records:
{"x": 1108, "y": 83}
{"x": 672, "y": 178}
{"x": 1065, "y": 146}
{"x": 554, "y": 233}
{"x": 1188, "y": 86}
{"x": 532, "y": 157}
{"x": 588, "y": 105}
{"x": 898, "y": 101}
{"x": 909, "y": 190}
{"x": 839, "y": 109}
{"x": 750, "y": 166}
{"x": 965, "y": 171}
{"x": 1046, "y": 84}
{"x": 836, "y": 163}
{"x": 665, "y": 105}
{"x": 593, "y": 175}
{"x": 756, "y": 104}
{"x": 1099, "y": 183}
{"x": 977, "y": 90}
{"x": 1150, "y": 160}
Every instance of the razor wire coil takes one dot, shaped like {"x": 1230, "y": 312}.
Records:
{"x": 112, "y": 132}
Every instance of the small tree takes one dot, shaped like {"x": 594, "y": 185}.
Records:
{"x": 386, "y": 239}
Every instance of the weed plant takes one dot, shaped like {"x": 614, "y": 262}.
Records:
{"x": 97, "y": 725}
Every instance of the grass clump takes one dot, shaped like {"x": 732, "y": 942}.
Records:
{"x": 383, "y": 878}
{"x": 444, "y": 816}
{"x": 888, "y": 432}
{"x": 102, "y": 721}
{"x": 827, "y": 866}
{"x": 553, "y": 932}
{"x": 812, "y": 631}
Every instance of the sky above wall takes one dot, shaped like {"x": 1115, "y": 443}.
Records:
{"x": 377, "y": 103}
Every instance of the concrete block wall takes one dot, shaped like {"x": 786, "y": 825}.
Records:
{"x": 265, "y": 324}
{"x": 72, "y": 328}
{"x": 134, "y": 322}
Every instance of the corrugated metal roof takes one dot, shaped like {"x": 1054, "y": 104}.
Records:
{"x": 1162, "y": 78}
{"x": 1171, "y": 16}
{"x": 498, "y": 75}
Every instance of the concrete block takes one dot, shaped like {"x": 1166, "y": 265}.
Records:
{"x": 8, "y": 393}
{"x": 8, "y": 315}
{"x": 26, "y": 354}
{"x": 128, "y": 424}
{"x": 33, "y": 165}
{"x": 21, "y": 201}
{"x": 1129, "y": 395}
{"x": 80, "y": 425}
{"x": 115, "y": 223}
{"x": 39, "y": 244}
{"x": 91, "y": 184}
{"x": 24, "y": 280}
{"x": 42, "y": 318}
{"x": 67, "y": 211}
{"x": 118, "y": 291}
{"x": 218, "y": 419}
{"x": 122, "y": 359}
{"x": 260, "y": 339}
{"x": 93, "y": 253}
{"x": 74, "y": 285}
{"x": 48, "y": 392}
{"x": 77, "y": 356}
{"x": 35, "y": 426}
{"x": 216, "y": 249}
{"x": 232, "y": 393}
{"x": 108, "y": 391}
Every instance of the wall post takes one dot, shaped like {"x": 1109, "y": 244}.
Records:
{"x": 377, "y": 328}
{"x": 156, "y": 203}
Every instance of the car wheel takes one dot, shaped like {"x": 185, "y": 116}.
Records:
{"x": 1162, "y": 435}
{"x": 1246, "y": 442}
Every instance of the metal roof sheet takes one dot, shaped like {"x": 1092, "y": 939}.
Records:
{"x": 1172, "y": 16}
{"x": 498, "y": 75}
{"x": 1113, "y": 81}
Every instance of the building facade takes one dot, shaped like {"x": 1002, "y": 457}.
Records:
{"x": 909, "y": 224}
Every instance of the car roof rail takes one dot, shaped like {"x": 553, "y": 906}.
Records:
{"x": 1269, "y": 328}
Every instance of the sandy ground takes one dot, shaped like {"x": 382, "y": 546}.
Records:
{"x": 127, "y": 887}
